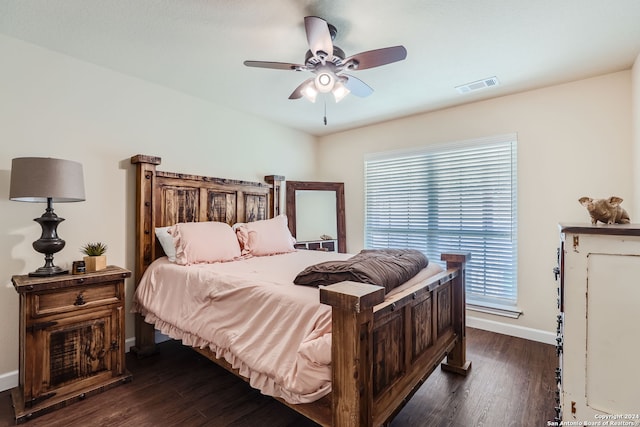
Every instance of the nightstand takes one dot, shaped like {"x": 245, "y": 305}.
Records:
{"x": 71, "y": 339}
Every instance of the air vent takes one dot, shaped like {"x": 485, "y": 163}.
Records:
{"x": 477, "y": 85}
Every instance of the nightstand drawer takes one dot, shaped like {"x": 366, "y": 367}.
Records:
{"x": 75, "y": 298}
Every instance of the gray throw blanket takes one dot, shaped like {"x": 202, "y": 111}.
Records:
{"x": 388, "y": 268}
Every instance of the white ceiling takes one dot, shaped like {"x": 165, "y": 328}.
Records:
{"x": 198, "y": 46}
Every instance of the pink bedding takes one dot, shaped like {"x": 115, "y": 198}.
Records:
{"x": 250, "y": 313}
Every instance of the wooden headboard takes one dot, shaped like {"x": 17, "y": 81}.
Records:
{"x": 166, "y": 198}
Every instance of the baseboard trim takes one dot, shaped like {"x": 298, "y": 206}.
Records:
{"x": 513, "y": 330}
{"x": 128, "y": 343}
{"x": 8, "y": 380}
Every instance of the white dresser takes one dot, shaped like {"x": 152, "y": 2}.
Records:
{"x": 599, "y": 324}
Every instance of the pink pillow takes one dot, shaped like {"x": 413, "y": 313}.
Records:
{"x": 204, "y": 242}
{"x": 266, "y": 237}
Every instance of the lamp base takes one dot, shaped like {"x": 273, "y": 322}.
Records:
{"x": 49, "y": 243}
{"x": 48, "y": 271}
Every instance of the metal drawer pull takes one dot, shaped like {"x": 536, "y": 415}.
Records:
{"x": 80, "y": 300}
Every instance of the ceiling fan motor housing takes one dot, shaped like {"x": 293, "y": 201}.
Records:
{"x": 311, "y": 60}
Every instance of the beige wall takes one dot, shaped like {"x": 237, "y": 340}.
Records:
{"x": 573, "y": 140}
{"x": 54, "y": 106}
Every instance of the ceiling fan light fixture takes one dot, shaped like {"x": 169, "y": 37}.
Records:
{"x": 325, "y": 82}
{"x": 310, "y": 92}
{"x": 340, "y": 91}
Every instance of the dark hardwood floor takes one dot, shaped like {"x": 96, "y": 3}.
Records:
{"x": 511, "y": 383}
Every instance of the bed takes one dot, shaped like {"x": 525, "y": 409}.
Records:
{"x": 382, "y": 346}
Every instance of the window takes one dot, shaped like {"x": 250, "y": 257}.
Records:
{"x": 451, "y": 197}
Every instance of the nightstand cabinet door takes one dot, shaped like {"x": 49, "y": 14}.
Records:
{"x": 71, "y": 338}
{"x": 71, "y": 353}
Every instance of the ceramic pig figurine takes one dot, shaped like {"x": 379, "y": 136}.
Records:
{"x": 608, "y": 210}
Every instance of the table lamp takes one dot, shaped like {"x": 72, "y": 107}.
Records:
{"x": 43, "y": 179}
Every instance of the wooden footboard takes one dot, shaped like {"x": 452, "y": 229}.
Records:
{"x": 382, "y": 351}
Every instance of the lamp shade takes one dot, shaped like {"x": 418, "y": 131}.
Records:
{"x": 37, "y": 179}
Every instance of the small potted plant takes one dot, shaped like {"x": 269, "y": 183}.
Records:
{"x": 95, "y": 258}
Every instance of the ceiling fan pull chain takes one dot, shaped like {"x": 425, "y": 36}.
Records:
{"x": 325, "y": 112}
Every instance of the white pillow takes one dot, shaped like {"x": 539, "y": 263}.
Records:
{"x": 166, "y": 241}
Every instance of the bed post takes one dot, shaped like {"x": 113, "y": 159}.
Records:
{"x": 352, "y": 351}
{"x": 457, "y": 358}
{"x": 145, "y": 242}
{"x": 276, "y": 185}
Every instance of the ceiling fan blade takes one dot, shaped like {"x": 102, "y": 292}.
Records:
{"x": 275, "y": 65}
{"x": 356, "y": 86}
{"x": 376, "y": 58}
{"x": 297, "y": 93}
{"x": 318, "y": 36}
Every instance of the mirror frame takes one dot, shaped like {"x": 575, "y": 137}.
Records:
{"x": 338, "y": 187}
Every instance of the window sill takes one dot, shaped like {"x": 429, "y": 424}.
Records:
{"x": 512, "y": 312}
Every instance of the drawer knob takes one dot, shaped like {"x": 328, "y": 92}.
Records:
{"x": 80, "y": 300}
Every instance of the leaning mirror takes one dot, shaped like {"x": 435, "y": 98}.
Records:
{"x": 316, "y": 212}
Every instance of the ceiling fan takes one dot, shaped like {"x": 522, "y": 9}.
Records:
{"x": 328, "y": 62}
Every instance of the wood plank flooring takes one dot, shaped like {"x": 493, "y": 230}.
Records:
{"x": 511, "y": 383}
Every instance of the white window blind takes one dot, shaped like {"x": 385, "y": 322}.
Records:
{"x": 451, "y": 197}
